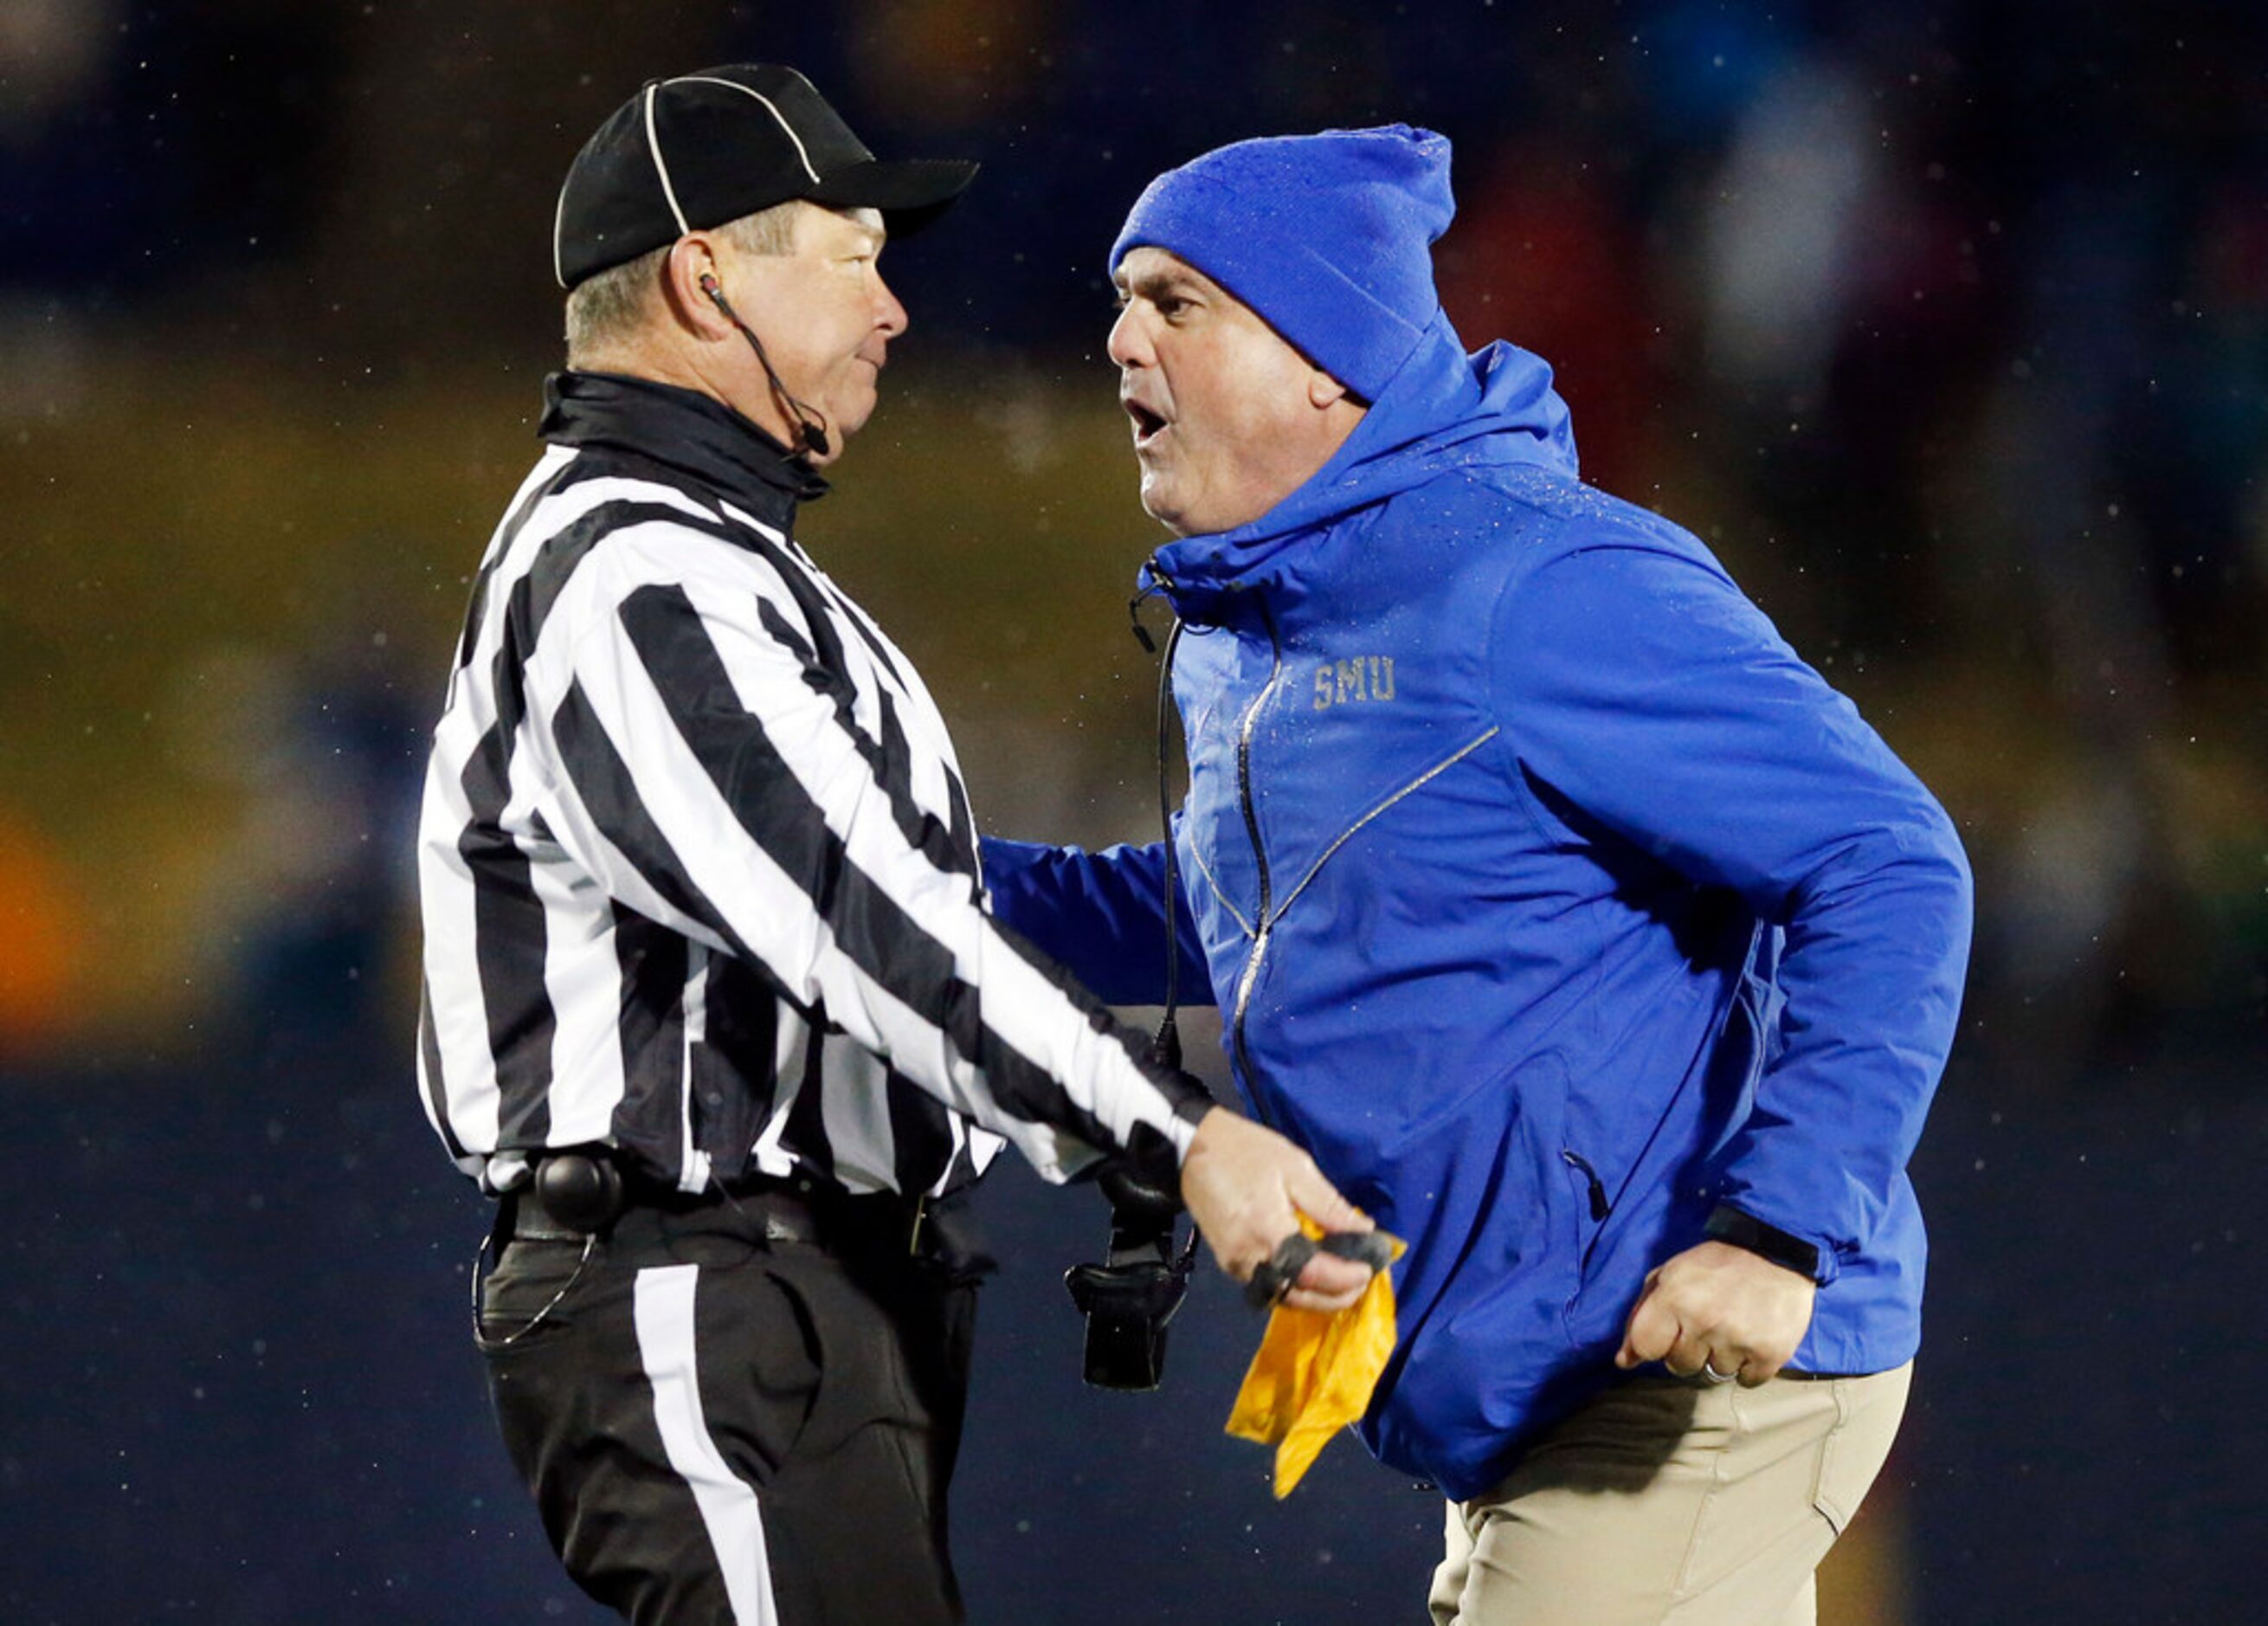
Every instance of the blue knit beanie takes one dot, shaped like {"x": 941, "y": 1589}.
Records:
{"x": 1328, "y": 237}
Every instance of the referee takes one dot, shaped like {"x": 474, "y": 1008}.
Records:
{"x": 712, "y": 1001}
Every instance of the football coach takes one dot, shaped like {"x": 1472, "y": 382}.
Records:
{"x": 1587, "y": 938}
{"x": 713, "y": 1005}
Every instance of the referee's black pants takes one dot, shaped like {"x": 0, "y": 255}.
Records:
{"x": 720, "y": 1425}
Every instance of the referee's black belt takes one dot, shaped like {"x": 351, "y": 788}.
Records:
{"x": 563, "y": 1201}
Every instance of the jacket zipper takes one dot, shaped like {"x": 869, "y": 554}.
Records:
{"x": 1600, "y": 1207}
{"x": 1264, "y": 924}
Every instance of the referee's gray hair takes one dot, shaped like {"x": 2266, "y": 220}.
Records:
{"x": 610, "y": 307}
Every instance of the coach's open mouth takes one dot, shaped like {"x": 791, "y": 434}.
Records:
{"x": 1146, "y": 423}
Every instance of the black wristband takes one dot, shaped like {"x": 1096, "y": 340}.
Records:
{"x": 1154, "y": 1159}
{"x": 1746, "y": 1230}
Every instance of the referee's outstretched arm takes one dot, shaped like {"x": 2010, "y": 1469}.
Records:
{"x": 714, "y": 777}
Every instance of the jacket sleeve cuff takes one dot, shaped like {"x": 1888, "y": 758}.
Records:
{"x": 1744, "y": 1230}
{"x": 1191, "y": 1101}
{"x": 1155, "y": 1156}
{"x": 1187, "y": 1099}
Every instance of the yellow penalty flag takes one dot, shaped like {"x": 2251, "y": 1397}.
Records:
{"x": 1314, "y": 1372}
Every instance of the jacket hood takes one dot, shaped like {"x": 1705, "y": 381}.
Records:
{"x": 1443, "y": 411}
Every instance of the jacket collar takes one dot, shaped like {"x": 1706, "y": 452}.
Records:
{"x": 684, "y": 431}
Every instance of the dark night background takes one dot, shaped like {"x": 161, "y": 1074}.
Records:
{"x": 1947, "y": 325}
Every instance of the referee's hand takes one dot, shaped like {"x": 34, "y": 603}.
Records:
{"x": 1246, "y": 1185}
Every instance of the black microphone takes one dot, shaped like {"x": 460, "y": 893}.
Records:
{"x": 809, "y": 435}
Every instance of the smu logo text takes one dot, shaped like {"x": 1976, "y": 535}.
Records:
{"x": 1342, "y": 682}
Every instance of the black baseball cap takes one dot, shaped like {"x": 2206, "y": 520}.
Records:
{"x": 698, "y": 150}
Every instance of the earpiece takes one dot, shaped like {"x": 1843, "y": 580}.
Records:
{"x": 812, "y": 438}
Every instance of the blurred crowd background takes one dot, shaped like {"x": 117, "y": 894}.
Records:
{"x": 1945, "y": 324}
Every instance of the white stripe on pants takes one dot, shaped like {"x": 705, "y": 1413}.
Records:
{"x": 728, "y": 1506}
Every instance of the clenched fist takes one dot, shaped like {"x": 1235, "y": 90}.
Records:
{"x": 1721, "y": 1307}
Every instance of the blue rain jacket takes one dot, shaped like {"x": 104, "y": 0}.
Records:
{"x": 1550, "y": 901}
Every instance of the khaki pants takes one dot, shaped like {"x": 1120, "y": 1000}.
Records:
{"x": 1673, "y": 1500}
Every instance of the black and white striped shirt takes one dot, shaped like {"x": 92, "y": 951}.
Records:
{"x": 698, "y": 874}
